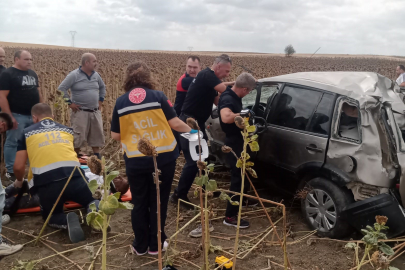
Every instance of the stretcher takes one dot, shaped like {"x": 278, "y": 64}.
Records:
{"x": 71, "y": 205}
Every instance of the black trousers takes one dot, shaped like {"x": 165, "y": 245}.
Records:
{"x": 236, "y": 177}
{"x": 144, "y": 214}
{"x": 190, "y": 169}
{"x": 76, "y": 191}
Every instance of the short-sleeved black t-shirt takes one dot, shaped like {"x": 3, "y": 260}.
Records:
{"x": 23, "y": 86}
{"x": 229, "y": 99}
{"x": 144, "y": 111}
{"x": 2, "y": 68}
{"x": 201, "y": 95}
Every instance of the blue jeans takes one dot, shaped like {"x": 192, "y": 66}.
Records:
{"x": 2, "y": 203}
{"x": 10, "y": 147}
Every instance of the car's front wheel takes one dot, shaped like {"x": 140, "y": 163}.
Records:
{"x": 322, "y": 207}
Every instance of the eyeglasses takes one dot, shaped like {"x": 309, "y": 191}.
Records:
{"x": 226, "y": 58}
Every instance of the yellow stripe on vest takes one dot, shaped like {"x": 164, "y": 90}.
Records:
{"x": 49, "y": 150}
{"x": 151, "y": 124}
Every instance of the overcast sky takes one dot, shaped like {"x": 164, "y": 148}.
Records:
{"x": 338, "y": 26}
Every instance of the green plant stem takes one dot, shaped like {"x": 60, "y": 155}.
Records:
{"x": 203, "y": 231}
{"x": 105, "y": 222}
{"x": 177, "y": 223}
{"x": 364, "y": 257}
{"x": 207, "y": 231}
{"x": 235, "y": 250}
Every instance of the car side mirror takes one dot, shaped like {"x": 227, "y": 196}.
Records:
{"x": 214, "y": 113}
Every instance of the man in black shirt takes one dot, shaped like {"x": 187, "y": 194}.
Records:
{"x": 229, "y": 106}
{"x": 19, "y": 92}
{"x": 201, "y": 95}
{"x": 2, "y": 59}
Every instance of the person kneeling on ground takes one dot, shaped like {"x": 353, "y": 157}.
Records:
{"x": 5, "y": 248}
{"x": 49, "y": 147}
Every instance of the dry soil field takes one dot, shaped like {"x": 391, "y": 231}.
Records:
{"x": 52, "y": 64}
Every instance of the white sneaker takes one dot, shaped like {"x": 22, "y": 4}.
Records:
{"x": 5, "y": 219}
{"x": 133, "y": 250}
{"x": 6, "y": 249}
{"x": 197, "y": 232}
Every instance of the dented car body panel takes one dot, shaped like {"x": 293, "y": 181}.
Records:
{"x": 358, "y": 144}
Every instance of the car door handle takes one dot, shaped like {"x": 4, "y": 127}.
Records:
{"x": 313, "y": 148}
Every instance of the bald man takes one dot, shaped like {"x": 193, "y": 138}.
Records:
{"x": 2, "y": 59}
{"x": 88, "y": 92}
{"x": 19, "y": 92}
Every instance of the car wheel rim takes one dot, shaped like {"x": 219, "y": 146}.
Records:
{"x": 320, "y": 210}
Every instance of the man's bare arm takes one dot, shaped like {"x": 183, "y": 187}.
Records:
{"x": 229, "y": 83}
{"x": 178, "y": 125}
{"x": 41, "y": 99}
{"x": 402, "y": 84}
{"x": 227, "y": 116}
{"x": 116, "y": 136}
{"x": 19, "y": 167}
{"x": 220, "y": 87}
{"x": 5, "y": 107}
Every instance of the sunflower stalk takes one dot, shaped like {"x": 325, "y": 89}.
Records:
{"x": 245, "y": 135}
{"x": 249, "y": 139}
{"x": 156, "y": 176}
{"x": 192, "y": 123}
{"x": 148, "y": 149}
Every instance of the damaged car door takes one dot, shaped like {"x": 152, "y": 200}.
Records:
{"x": 298, "y": 130}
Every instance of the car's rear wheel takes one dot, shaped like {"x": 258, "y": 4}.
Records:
{"x": 323, "y": 205}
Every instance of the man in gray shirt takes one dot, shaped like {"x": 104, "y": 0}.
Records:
{"x": 88, "y": 92}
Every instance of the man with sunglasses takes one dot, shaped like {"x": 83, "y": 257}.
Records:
{"x": 229, "y": 106}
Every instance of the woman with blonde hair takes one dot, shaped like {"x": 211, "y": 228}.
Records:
{"x": 144, "y": 112}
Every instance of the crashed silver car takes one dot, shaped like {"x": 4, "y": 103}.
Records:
{"x": 336, "y": 140}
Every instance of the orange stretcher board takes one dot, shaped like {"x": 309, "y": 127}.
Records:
{"x": 72, "y": 205}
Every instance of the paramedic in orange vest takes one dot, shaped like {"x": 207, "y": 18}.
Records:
{"x": 143, "y": 112}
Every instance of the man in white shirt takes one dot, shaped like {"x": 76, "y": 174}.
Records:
{"x": 401, "y": 75}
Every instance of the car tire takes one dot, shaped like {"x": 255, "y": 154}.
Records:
{"x": 323, "y": 207}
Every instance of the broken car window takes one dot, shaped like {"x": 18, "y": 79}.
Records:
{"x": 250, "y": 99}
{"x": 348, "y": 123}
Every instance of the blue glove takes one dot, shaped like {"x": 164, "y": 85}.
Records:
{"x": 193, "y": 131}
